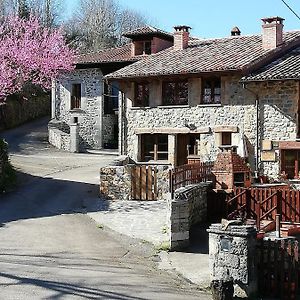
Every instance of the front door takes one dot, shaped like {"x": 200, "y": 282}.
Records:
{"x": 186, "y": 145}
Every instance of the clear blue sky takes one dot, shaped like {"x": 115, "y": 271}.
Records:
{"x": 213, "y": 18}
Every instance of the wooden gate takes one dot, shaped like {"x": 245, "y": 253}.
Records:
{"x": 143, "y": 183}
{"x": 278, "y": 269}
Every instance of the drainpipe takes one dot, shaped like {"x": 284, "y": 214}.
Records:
{"x": 257, "y": 129}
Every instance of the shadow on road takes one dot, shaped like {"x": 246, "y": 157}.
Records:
{"x": 39, "y": 197}
{"x": 66, "y": 288}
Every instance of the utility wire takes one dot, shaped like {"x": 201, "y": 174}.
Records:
{"x": 291, "y": 9}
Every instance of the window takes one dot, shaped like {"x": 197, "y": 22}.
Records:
{"x": 290, "y": 163}
{"x": 141, "y": 94}
{"x": 76, "y": 96}
{"x": 211, "y": 91}
{"x": 175, "y": 93}
{"x": 142, "y": 47}
{"x": 154, "y": 147}
{"x": 226, "y": 139}
{"x": 110, "y": 99}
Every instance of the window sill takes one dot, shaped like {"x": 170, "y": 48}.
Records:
{"x": 76, "y": 110}
{"x": 173, "y": 106}
{"x": 153, "y": 162}
{"x": 210, "y": 105}
{"x": 140, "y": 107}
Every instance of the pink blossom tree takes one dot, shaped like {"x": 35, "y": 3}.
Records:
{"x": 31, "y": 54}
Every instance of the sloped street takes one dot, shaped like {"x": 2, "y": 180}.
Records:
{"x": 50, "y": 248}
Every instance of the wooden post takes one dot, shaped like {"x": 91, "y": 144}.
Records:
{"x": 277, "y": 222}
{"x": 296, "y": 169}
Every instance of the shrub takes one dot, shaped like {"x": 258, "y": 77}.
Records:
{"x": 7, "y": 173}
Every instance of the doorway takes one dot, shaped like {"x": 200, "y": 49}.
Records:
{"x": 187, "y": 144}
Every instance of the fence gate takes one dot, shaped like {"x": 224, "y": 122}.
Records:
{"x": 143, "y": 183}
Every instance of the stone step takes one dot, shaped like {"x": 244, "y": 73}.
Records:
{"x": 114, "y": 152}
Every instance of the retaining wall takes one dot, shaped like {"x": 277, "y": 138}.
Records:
{"x": 16, "y": 110}
{"x": 188, "y": 207}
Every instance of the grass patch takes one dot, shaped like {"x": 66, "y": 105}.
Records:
{"x": 164, "y": 229}
{"x": 100, "y": 226}
{"x": 164, "y": 246}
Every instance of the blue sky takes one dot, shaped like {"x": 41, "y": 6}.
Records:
{"x": 213, "y": 18}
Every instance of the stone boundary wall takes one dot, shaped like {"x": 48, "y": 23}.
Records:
{"x": 115, "y": 181}
{"x": 18, "y": 111}
{"x": 59, "y": 138}
{"x": 188, "y": 207}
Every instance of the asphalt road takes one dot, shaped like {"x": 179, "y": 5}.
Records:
{"x": 49, "y": 247}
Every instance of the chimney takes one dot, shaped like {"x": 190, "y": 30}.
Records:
{"x": 181, "y": 37}
{"x": 272, "y": 30}
{"x": 235, "y": 31}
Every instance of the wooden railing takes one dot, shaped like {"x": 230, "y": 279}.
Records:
{"x": 190, "y": 174}
{"x": 264, "y": 204}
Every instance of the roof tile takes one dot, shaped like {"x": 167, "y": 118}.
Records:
{"x": 225, "y": 54}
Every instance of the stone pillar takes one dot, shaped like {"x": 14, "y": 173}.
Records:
{"x": 172, "y": 149}
{"x": 232, "y": 253}
{"x": 179, "y": 223}
{"x": 74, "y": 137}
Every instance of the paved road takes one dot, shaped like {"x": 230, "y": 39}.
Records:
{"x": 50, "y": 249}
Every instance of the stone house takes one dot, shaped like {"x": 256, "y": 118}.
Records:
{"x": 186, "y": 101}
{"x": 83, "y": 101}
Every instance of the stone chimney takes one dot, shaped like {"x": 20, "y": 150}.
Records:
{"x": 272, "y": 30}
{"x": 181, "y": 37}
{"x": 235, "y": 31}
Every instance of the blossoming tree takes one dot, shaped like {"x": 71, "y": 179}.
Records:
{"x": 30, "y": 53}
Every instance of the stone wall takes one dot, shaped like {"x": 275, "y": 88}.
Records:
{"x": 188, "y": 207}
{"x": 59, "y": 137}
{"x": 115, "y": 181}
{"x": 277, "y": 109}
{"x": 232, "y": 252}
{"x": 95, "y": 128}
{"x": 16, "y": 110}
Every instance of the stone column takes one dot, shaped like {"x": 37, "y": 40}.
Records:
{"x": 232, "y": 253}
{"x": 172, "y": 149}
{"x": 74, "y": 137}
{"x": 179, "y": 223}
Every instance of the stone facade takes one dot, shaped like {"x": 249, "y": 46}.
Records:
{"x": 95, "y": 128}
{"x": 188, "y": 207}
{"x": 232, "y": 253}
{"x": 237, "y": 113}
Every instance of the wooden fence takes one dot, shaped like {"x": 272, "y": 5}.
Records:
{"x": 263, "y": 204}
{"x": 278, "y": 269}
{"x": 190, "y": 174}
{"x": 144, "y": 183}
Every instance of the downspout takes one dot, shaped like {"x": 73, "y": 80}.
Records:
{"x": 257, "y": 129}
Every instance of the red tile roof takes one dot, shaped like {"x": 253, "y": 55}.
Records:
{"x": 212, "y": 55}
{"x": 286, "y": 67}
{"x": 147, "y": 30}
{"x": 120, "y": 54}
